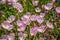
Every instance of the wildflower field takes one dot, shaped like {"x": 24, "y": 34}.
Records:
{"x": 29, "y": 19}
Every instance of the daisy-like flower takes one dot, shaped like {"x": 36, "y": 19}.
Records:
{"x": 42, "y": 29}
{"x": 26, "y": 18}
{"x": 11, "y": 18}
{"x": 57, "y": 9}
{"x": 41, "y": 38}
{"x": 33, "y": 17}
{"x": 49, "y": 24}
{"x": 56, "y": 17}
{"x": 4, "y": 37}
{"x": 46, "y": 35}
{"x": 40, "y": 20}
{"x": 48, "y": 6}
{"x": 37, "y": 9}
{"x": 18, "y": 6}
{"x": 35, "y": 2}
{"x": 11, "y": 36}
{"x": 21, "y": 28}
{"x": 33, "y": 31}
{"x": 26, "y": 21}
{"x": 42, "y": 14}
{"x": 6, "y": 25}
{"x": 22, "y": 36}
{"x": 2, "y": 1}
{"x": 25, "y": 35}
{"x": 21, "y": 25}
{"x": 27, "y": 15}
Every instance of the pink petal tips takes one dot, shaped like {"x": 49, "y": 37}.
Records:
{"x": 11, "y": 18}
{"x": 42, "y": 29}
{"x": 49, "y": 24}
{"x": 33, "y": 31}
{"x": 18, "y": 6}
{"x": 37, "y": 9}
{"x": 35, "y": 2}
{"x": 57, "y": 9}
{"x": 6, "y": 25}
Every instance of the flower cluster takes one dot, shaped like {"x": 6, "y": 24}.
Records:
{"x": 22, "y": 36}
{"x": 26, "y": 20}
{"x": 10, "y": 36}
{"x": 7, "y": 23}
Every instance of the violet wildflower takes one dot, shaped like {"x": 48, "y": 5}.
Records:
{"x": 21, "y": 25}
{"x": 48, "y": 6}
{"x": 42, "y": 15}
{"x": 49, "y": 24}
{"x": 4, "y": 37}
{"x": 41, "y": 38}
{"x": 37, "y": 9}
{"x": 33, "y": 31}
{"x": 22, "y": 36}
{"x": 6, "y": 25}
{"x": 57, "y": 9}
{"x": 18, "y": 6}
{"x": 11, "y": 36}
{"x": 33, "y": 17}
{"x": 42, "y": 29}
{"x": 21, "y": 28}
{"x": 25, "y": 35}
{"x": 26, "y": 21}
{"x": 40, "y": 20}
{"x": 35, "y": 2}
{"x": 26, "y": 18}
{"x": 11, "y": 18}
{"x": 46, "y": 35}
{"x": 27, "y": 15}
